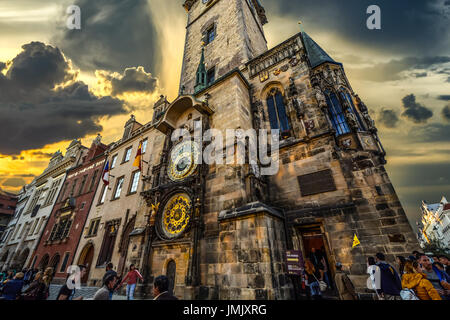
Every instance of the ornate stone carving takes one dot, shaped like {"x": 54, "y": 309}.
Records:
{"x": 310, "y": 126}
{"x": 351, "y": 119}
{"x": 320, "y": 97}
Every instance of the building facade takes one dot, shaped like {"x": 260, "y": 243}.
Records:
{"x": 43, "y": 193}
{"x": 111, "y": 233}
{"x": 66, "y": 223}
{"x": 435, "y": 224}
{"x": 221, "y": 231}
{"x": 8, "y": 202}
{"x": 9, "y": 252}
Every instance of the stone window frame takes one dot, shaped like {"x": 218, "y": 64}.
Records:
{"x": 337, "y": 116}
{"x": 265, "y": 92}
{"x": 210, "y": 71}
{"x": 211, "y": 31}
{"x": 94, "y": 225}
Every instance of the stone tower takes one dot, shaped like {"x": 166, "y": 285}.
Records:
{"x": 230, "y": 31}
{"x": 221, "y": 231}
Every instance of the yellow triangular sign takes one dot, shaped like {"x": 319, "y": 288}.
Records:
{"x": 355, "y": 241}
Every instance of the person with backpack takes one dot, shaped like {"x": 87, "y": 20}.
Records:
{"x": 391, "y": 284}
{"x": 415, "y": 284}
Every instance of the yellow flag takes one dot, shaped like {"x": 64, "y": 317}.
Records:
{"x": 137, "y": 160}
{"x": 355, "y": 241}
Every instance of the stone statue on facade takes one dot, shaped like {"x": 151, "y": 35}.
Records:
{"x": 351, "y": 118}
{"x": 320, "y": 97}
{"x": 98, "y": 139}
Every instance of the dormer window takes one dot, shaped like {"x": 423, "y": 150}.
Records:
{"x": 126, "y": 134}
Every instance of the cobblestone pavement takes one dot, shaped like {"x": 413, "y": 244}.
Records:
{"x": 86, "y": 292}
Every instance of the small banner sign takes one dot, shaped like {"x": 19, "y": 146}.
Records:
{"x": 294, "y": 262}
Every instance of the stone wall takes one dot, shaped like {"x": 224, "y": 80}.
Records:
{"x": 246, "y": 261}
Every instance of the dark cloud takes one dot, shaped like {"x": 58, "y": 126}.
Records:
{"x": 391, "y": 71}
{"x": 132, "y": 80}
{"x": 36, "y": 111}
{"x": 39, "y": 66}
{"x": 114, "y": 35}
{"x": 405, "y": 23}
{"x": 42, "y": 154}
{"x": 432, "y": 133}
{"x": 446, "y": 112}
{"x": 415, "y": 111}
{"x": 388, "y": 118}
{"x": 444, "y": 97}
{"x": 14, "y": 182}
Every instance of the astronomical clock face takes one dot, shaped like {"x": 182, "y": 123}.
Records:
{"x": 176, "y": 215}
{"x": 182, "y": 160}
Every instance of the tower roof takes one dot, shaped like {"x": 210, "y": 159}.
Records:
{"x": 316, "y": 54}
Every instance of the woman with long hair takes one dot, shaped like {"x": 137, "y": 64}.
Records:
{"x": 313, "y": 276}
{"x": 401, "y": 264}
{"x": 131, "y": 278}
{"x": 417, "y": 281}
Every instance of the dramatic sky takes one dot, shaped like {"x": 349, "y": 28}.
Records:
{"x": 58, "y": 84}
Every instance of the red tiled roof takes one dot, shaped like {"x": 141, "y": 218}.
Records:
{"x": 447, "y": 206}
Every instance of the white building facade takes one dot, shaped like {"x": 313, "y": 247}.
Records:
{"x": 436, "y": 224}
{"x": 8, "y": 247}
{"x": 45, "y": 189}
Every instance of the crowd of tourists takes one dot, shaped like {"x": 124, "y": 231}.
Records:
{"x": 417, "y": 277}
{"x": 33, "y": 284}
{"x": 29, "y": 284}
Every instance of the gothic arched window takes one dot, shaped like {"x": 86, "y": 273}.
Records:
{"x": 337, "y": 115}
{"x": 277, "y": 111}
{"x": 347, "y": 97}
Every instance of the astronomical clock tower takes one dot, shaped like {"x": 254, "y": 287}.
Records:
{"x": 221, "y": 231}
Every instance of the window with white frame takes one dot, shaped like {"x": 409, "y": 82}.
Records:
{"x": 40, "y": 226}
{"x": 113, "y": 162}
{"x": 102, "y": 198}
{"x": 144, "y": 145}
{"x": 119, "y": 186}
{"x": 52, "y": 192}
{"x": 135, "y": 181}
{"x": 127, "y": 155}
